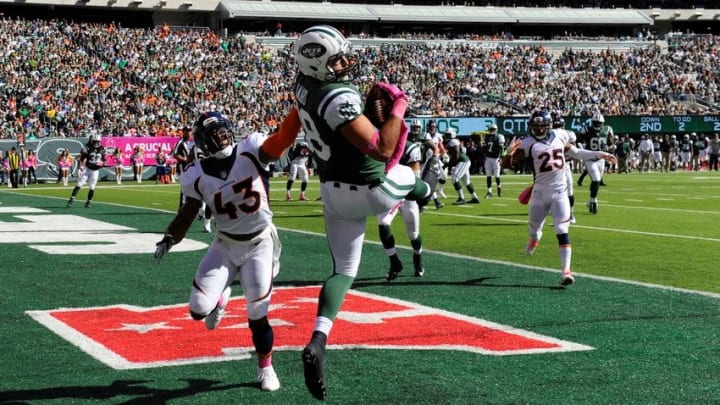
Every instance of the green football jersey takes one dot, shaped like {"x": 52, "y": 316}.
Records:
{"x": 324, "y": 108}
{"x": 596, "y": 140}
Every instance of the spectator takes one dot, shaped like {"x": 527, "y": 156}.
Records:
{"x": 65, "y": 163}
{"x": 32, "y": 166}
{"x": 13, "y": 167}
{"x": 646, "y": 151}
{"x": 714, "y": 152}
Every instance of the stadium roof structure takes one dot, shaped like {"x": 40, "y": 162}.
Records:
{"x": 460, "y": 14}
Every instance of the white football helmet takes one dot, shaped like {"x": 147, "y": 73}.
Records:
{"x": 317, "y": 50}
{"x": 492, "y": 128}
{"x": 450, "y": 134}
{"x": 95, "y": 140}
{"x": 415, "y": 130}
{"x": 597, "y": 121}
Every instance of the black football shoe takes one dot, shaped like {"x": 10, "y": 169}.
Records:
{"x": 313, "y": 358}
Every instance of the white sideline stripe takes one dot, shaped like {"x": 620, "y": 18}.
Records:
{"x": 482, "y": 260}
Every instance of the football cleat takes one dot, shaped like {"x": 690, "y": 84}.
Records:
{"x": 87, "y": 204}
{"x": 213, "y": 319}
{"x": 395, "y": 268}
{"x": 499, "y": 191}
{"x": 488, "y": 195}
{"x": 474, "y": 201}
{"x": 302, "y": 198}
{"x": 438, "y": 204}
{"x": 288, "y": 197}
{"x": 70, "y": 203}
{"x": 417, "y": 263}
{"x": 593, "y": 207}
{"x": 567, "y": 278}
{"x": 313, "y": 358}
{"x": 459, "y": 201}
{"x": 531, "y": 246}
{"x": 268, "y": 379}
{"x": 206, "y": 225}
{"x": 572, "y": 218}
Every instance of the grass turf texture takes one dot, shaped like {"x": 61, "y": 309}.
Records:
{"x": 651, "y": 345}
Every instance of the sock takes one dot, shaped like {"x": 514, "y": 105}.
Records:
{"x": 417, "y": 244}
{"x": 323, "y": 326}
{"x": 332, "y": 295}
{"x": 263, "y": 338}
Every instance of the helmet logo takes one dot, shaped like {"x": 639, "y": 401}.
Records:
{"x": 313, "y": 50}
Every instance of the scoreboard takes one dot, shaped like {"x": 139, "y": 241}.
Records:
{"x": 654, "y": 124}
{"x": 622, "y": 124}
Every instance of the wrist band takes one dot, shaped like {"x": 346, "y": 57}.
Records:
{"x": 373, "y": 143}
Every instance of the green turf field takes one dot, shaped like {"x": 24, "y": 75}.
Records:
{"x": 640, "y": 326}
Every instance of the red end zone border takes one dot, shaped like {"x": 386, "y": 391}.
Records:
{"x": 130, "y": 337}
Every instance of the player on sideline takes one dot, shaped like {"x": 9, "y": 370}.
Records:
{"x": 547, "y": 149}
{"x": 92, "y": 158}
{"x": 494, "y": 149}
{"x": 357, "y": 166}
{"x": 232, "y": 181}
{"x": 298, "y": 170}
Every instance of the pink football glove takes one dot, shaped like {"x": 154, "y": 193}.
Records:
{"x": 393, "y": 90}
{"x": 399, "y": 97}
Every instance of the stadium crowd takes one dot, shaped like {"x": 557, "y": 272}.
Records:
{"x": 73, "y": 79}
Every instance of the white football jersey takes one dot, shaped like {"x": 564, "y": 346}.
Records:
{"x": 436, "y": 138}
{"x": 238, "y": 199}
{"x": 548, "y": 157}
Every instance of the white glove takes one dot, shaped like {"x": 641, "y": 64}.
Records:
{"x": 163, "y": 247}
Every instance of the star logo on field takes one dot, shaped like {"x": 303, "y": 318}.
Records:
{"x": 144, "y": 328}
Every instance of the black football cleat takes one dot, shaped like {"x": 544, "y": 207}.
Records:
{"x": 69, "y": 203}
{"x": 417, "y": 263}
{"x": 313, "y": 358}
{"x": 395, "y": 268}
{"x": 593, "y": 207}
{"x": 567, "y": 279}
{"x": 87, "y": 204}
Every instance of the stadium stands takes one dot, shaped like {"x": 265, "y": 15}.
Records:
{"x": 103, "y": 77}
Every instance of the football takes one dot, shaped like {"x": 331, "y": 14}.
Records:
{"x": 378, "y": 104}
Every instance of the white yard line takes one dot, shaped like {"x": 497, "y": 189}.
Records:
{"x": 545, "y": 269}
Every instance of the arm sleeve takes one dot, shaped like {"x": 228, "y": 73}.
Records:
{"x": 583, "y": 154}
